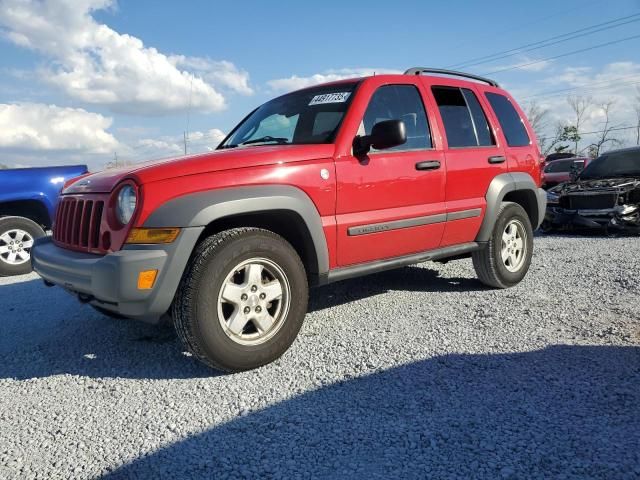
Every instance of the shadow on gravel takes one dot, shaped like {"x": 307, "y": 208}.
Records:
{"x": 586, "y": 233}
{"x": 412, "y": 279}
{"x": 44, "y": 331}
{"x": 561, "y": 412}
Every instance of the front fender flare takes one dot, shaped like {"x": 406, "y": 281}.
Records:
{"x": 201, "y": 208}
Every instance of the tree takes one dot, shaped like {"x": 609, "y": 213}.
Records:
{"x": 561, "y": 139}
{"x": 580, "y": 107}
{"x": 604, "y": 136}
{"x": 3, "y": 166}
{"x": 537, "y": 116}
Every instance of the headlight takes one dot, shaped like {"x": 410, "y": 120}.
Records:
{"x": 126, "y": 204}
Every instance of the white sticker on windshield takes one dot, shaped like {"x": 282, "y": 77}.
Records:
{"x": 338, "y": 97}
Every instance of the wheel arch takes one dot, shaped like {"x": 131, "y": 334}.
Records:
{"x": 283, "y": 209}
{"x": 517, "y": 187}
{"x": 32, "y": 209}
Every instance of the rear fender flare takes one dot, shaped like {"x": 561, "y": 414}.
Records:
{"x": 499, "y": 187}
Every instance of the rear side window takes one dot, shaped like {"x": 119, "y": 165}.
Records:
{"x": 562, "y": 166}
{"x": 558, "y": 166}
{"x": 399, "y": 102}
{"x": 464, "y": 120}
{"x": 511, "y": 123}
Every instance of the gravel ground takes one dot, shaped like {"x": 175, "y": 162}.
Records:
{"x": 411, "y": 373}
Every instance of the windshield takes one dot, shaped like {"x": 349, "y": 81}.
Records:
{"x": 307, "y": 116}
{"x": 614, "y": 164}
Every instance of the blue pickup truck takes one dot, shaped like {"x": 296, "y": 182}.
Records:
{"x": 28, "y": 199}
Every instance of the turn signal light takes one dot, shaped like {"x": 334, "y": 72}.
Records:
{"x": 146, "y": 279}
{"x": 152, "y": 235}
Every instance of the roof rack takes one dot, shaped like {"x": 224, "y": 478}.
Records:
{"x": 419, "y": 70}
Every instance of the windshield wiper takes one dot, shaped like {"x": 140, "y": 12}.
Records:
{"x": 266, "y": 139}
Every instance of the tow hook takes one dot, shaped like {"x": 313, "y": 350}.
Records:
{"x": 47, "y": 283}
{"x": 84, "y": 298}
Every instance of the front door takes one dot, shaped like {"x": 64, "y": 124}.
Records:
{"x": 390, "y": 202}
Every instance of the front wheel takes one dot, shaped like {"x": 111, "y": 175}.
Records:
{"x": 504, "y": 260}
{"x": 17, "y": 235}
{"x": 242, "y": 299}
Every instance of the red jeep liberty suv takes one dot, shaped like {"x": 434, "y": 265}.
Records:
{"x": 319, "y": 185}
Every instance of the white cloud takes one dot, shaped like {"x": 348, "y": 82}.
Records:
{"x": 212, "y": 137}
{"x": 95, "y": 64}
{"x": 167, "y": 146}
{"x": 295, "y": 82}
{"x": 40, "y": 127}
{"x": 618, "y": 82}
{"x": 221, "y": 73}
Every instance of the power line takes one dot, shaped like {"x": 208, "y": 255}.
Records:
{"x": 604, "y": 85}
{"x": 557, "y": 39}
{"x": 593, "y": 47}
{"x": 535, "y": 21}
{"x": 609, "y": 130}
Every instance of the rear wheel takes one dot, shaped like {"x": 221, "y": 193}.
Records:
{"x": 17, "y": 235}
{"x": 242, "y": 299}
{"x": 505, "y": 259}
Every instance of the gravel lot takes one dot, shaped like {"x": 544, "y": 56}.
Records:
{"x": 410, "y": 373}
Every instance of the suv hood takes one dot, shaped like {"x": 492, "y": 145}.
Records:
{"x": 233, "y": 158}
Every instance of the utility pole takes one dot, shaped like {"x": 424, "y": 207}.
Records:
{"x": 115, "y": 158}
{"x": 184, "y": 134}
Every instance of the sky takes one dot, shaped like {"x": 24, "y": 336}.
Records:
{"x": 95, "y": 81}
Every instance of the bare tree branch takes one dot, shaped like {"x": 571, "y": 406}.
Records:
{"x": 604, "y": 137}
{"x": 580, "y": 106}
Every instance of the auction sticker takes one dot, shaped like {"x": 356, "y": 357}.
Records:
{"x": 338, "y": 97}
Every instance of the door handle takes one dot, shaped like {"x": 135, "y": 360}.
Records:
{"x": 428, "y": 165}
{"x": 497, "y": 159}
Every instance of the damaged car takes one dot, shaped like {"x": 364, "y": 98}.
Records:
{"x": 605, "y": 195}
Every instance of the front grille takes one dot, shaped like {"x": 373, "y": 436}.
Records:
{"x": 77, "y": 224}
{"x": 591, "y": 201}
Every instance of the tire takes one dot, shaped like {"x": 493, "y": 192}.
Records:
{"x": 488, "y": 262}
{"x": 228, "y": 265}
{"x": 17, "y": 235}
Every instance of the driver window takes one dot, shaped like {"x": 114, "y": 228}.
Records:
{"x": 399, "y": 102}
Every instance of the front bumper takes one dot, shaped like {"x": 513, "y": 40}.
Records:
{"x": 110, "y": 281}
{"x": 608, "y": 218}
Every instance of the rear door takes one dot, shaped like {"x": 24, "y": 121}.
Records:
{"x": 521, "y": 148}
{"x": 389, "y": 202}
{"x": 474, "y": 157}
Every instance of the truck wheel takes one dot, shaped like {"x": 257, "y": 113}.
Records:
{"x": 504, "y": 260}
{"x": 241, "y": 300}
{"x": 17, "y": 235}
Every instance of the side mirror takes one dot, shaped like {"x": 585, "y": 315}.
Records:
{"x": 385, "y": 134}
